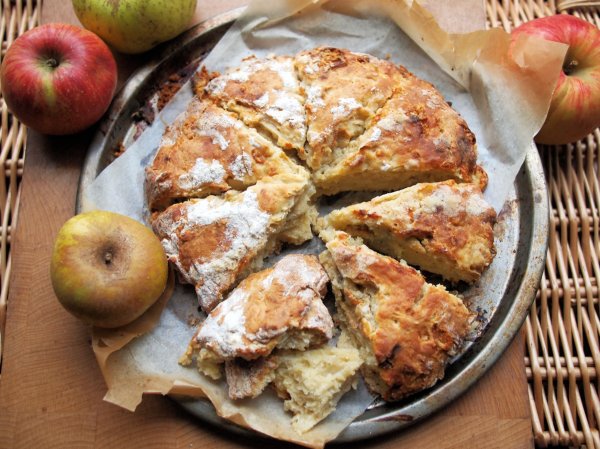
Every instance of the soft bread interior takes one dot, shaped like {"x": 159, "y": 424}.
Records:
{"x": 349, "y": 322}
{"x": 312, "y": 382}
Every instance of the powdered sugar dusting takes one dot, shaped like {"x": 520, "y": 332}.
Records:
{"x": 246, "y": 231}
{"x": 393, "y": 121}
{"x": 314, "y": 96}
{"x": 408, "y": 205}
{"x": 216, "y": 85}
{"x": 445, "y": 199}
{"x": 168, "y": 140}
{"x": 239, "y": 74}
{"x": 476, "y": 205}
{"x": 241, "y": 167}
{"x": 213, "y": 124}
{"x": 225, "y": 331}
{"x": 450, "y": 201}
{"x": 202, "y": 173}
{"x": 217, "y": 138}
{"x": 284, "y": 67}
{"x": 375, "y": 134}
{"x": 253, "y": 142}
{"x": 287, "y": 109}
{"x": 412, "y": 163}
{"x": 315, "y": 137}
{"x": 262, "y": 101}
{"x": 344, "y": 107}
{"x": 311, "y": 69}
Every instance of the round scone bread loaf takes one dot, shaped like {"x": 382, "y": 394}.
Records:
{"x": 239, "y": 175}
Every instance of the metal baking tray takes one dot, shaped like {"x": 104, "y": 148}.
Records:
{"x": 502, "y": 297}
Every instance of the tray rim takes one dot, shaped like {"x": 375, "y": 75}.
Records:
{"x": 508, "y": 326}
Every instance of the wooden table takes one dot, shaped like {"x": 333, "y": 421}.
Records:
{"x": 51, "y": 389}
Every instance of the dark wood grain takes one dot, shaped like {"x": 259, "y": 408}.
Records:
{"x": 51, "y": 389}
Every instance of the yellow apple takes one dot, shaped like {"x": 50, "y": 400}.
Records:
{"x": 107, "y": 269}
{"x": 135, "y": 26}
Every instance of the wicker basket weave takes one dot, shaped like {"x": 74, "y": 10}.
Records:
{"x": 563, "y": 327}
{"x": 16, "y": 17}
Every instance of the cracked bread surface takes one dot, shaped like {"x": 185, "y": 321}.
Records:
{"x": 444, "y": 228}
{"x": 415, "y": 137}
{"x": 405, "y": 328}
{"x": 268, "y": 137}
{"x": 217, "y": 240}
{"x": 266, "y": 95}
{"x": 343, "y": 90}
{"x": 208, "y": 150}
{"x": 327, "y": 105}
{"x": 277, "y": 307}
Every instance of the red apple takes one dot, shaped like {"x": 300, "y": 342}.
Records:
{"x": 575, "y": 107}
{"x": 58, "y": 78}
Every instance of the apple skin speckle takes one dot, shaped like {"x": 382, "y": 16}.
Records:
{"x": 107, "y": 269}
{"x": 135, "y": 26}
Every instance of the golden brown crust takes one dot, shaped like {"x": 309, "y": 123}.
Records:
{"x": 276, "y": 307}
{"x": 266, "y": 95}
{"x": 415, "y": 137}
{"x": 214, "y": 241}
{"x": 343, "y": 92}
{"x": 209, "y": 151}
{"x": 409, "y": 328}
{"x": 359, "y": 123}
{"x": 445, "y": 228}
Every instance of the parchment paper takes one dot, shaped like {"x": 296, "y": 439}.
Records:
{"x": 502, "y": 91}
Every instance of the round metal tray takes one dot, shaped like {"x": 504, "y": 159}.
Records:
{"x": 502, "y": 297}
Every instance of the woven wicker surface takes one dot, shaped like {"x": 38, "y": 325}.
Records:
{"x": 562, "y": 330}
{"x": 16, "y": 17}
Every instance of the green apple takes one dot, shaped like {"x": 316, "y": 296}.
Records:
{"x": 107, "y": 269}
{"x": 134, "y": 26}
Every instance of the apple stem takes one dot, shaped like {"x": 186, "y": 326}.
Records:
{"x": 52, "y": 63}
{"x": 108, "y": 258}
{"x": 571, "y": 65}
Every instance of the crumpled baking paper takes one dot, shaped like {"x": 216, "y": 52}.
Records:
{"x": 502, "y": 91}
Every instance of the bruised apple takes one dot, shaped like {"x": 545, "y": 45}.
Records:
{"x": 107, "y": 269}
{"x": 575, "y": 106}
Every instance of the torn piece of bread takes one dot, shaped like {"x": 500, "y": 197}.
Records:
{"x": 265, "y": 93}
{"x": 405, "y": 329}
{"x": 215, "y": 241}
{"x": 208, "y": 151}
{"x": 248, "y": 379}
{"x": 445, "y": 228}
{"x": 312, "y": 382}
{"x": 279, "y": 307}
